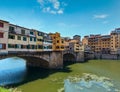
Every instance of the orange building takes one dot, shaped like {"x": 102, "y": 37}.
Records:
{"x": 58, "y": 42}
{"x": 98, "y": 43}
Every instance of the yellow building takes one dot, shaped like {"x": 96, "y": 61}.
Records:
{"x": 85, "y": 40}
{"x": 66, "y": 43}
{"x": 74, "y": 45}
{"x": 115, "y": 41}
{"x": 39, "y": 42}
{"x": 58, "y": 43}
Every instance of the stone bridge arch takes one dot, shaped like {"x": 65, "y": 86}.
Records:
{"x": 73, "y": 56}
{"x": 69, "y": 57}
{"x": 49, "y": 59}
{"x": 35, "y": 61}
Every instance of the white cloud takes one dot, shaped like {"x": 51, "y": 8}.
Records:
{"x": 56, "y": 3}
{"x": 52, "y": 12}
{"x": 102, "y": 16}
{"x": 60, "y": 11}
{"x": 52, "y": 6}
{"x": 47, "y": 9}
{"x": 41, "y": 2}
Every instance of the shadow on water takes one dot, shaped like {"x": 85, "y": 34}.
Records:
{"x": 35, "y": 73}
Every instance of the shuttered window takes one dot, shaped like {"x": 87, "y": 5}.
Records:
{"x": 1, "y": 35}
{"x": 2, "y": 46}
{"x": 1, "y": 24}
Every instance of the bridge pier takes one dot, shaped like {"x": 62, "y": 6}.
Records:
{"x": 80, "y": 57}
{"x": 56, "y": 60}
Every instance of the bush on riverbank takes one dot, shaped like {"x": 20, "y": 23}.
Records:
{"x": 9, "y": 90}
{"x": 4, "y": 90}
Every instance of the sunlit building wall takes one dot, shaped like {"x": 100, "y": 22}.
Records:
{"x": 115, "y": 41}
{"x": 47, "y": 42}
{"x": 58, "y": 42}
{"x": 18, "y": 38}
{"x": 4, "y": 26}
{"x": 39, "y": 41}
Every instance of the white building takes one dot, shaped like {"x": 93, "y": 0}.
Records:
{"x": 47, "y": 43}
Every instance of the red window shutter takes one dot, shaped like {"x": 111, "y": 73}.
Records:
{"x": 1, "y": 35}
{"x": 4, "y": 46}
{"x": 1, "y": 24}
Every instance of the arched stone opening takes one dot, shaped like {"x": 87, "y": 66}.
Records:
{"x": 32, "y": 61}
{"x": 68, "y": 58}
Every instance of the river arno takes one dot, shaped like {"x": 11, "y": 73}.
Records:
{"x": 43, "y": 80}
{"x": 53, "y": 80}
{"x": 12, "y": 70}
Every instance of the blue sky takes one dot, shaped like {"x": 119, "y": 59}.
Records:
{"x": 69, "y": 17}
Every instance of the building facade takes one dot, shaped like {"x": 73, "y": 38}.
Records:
{"x": 4, "y": 26}
{"x": 74, "y": 45}
{"x": 85, "y": 40}
{"x": 17, "y": 39}
{"x": 47, "y": 42}
{"x": 115, "y": 41}
{"x": 104, "y": 43}
{"x": 77, "y": 37}
{"x": 58, "y": 42}
{"x": 32, "y": 40}
{"x": 39, "y": 40}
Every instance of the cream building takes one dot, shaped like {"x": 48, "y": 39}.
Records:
{"x": 39, "y": 42}
{"x": 4, "y": 25}
{"x": 74, "y": 45}
{"x": 85, "y": 40}
{"x": 21, "y": 39}
{"x": 18, "y": 39}
{"x": 32, "y": 41}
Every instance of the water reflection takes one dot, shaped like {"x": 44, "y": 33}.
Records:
{"x": 12, "y": 70}
{"x": 89, "y": 83}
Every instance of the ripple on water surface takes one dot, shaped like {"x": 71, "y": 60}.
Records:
{"x": 89, "y": 83}
{"x": 12, "y": 70}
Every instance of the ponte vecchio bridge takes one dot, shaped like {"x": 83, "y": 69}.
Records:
{"x": 48, "y": 59}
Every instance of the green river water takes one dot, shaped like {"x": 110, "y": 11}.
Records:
{"x": 39, "y": 80}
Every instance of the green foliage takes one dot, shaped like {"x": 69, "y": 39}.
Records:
{"x": 4, "y": 90}
{"x": 9, "y": 90}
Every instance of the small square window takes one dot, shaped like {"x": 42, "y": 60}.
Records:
{"x": 24, "y": 39}
{"x": 19, "y": 37}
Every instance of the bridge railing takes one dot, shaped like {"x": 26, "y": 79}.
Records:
{"x": 22, "y": 53}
